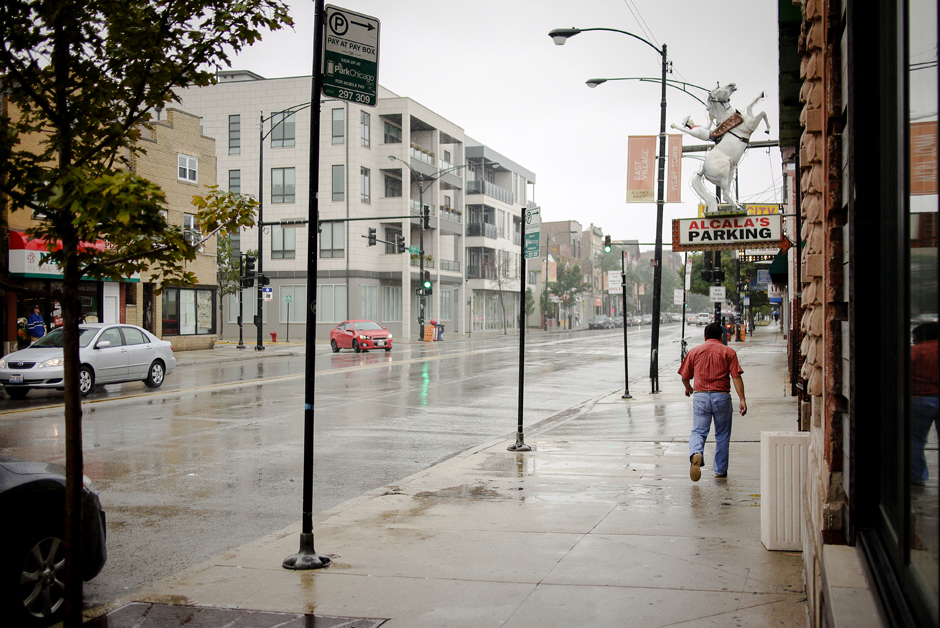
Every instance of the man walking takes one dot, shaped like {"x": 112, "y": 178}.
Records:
{"x": 711, "y": 365}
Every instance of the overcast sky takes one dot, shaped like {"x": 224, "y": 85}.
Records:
{"x": 490, "y": 67}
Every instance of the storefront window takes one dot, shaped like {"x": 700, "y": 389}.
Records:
{"x": 188, "y": 311}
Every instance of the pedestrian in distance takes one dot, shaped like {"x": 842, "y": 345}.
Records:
{"x": 35, "y": 325}
{"x": 925, "y": 393}
{"x": 711, "y": 365}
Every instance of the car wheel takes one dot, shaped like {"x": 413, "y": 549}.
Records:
{"x": 16, "y": 393}
{"x": 387, "y": 349}
{"x": 155, "y": 375}
{"x": 35, "y": 578}
{"x": 334, "y": 346}
{"x": 86, "y": 381}
{"x": 356, "y": 346}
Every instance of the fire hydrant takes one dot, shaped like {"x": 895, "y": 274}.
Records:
{"x": 273, "y": 336}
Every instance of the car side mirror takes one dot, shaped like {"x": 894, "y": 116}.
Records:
{"x": 103, "y": 344}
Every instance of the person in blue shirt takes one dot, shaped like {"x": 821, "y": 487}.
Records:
{"x": 35, "y": 325}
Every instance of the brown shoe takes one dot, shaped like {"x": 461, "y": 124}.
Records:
{"x": 695, "y": 471}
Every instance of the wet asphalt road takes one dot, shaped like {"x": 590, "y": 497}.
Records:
{"x": 214, "y": 459}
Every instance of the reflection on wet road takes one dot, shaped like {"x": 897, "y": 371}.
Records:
{"x": 213, "y": 459}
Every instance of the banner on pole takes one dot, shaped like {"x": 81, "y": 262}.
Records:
{"x": 674, "y": 176}
{"x": 641, "y": 168}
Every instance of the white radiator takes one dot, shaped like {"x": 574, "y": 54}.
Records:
{"x": 782, "y": 482}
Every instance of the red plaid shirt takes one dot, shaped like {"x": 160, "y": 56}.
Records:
{"x": 711, "y": 365}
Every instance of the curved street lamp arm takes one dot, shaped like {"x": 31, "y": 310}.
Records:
{"x": 563, "y": 33}
{"x": 679, "y": 85}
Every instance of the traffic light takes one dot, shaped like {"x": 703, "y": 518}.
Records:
{"x": 264, "y": 280}
{"x": 249, "y": 265}
{"x": 607, "y": 244}
{"x": 401, "y": 243}
{"x": 718, "y": 275}
{"x": 426, "y": 221}
{"x": 427, "y": 282}
{"x": 707, "y": 275}
{"x": 248, "y": 282}
{"x": 371, "y": 236}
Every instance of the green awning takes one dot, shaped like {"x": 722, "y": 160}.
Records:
{"x": 779, "y": 268}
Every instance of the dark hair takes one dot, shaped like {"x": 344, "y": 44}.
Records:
{"x": 926, "y": 331}
{"x": 713, "y": 331}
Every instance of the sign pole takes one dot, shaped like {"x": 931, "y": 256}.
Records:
{"x": 307, "y": 557}
{"x": 626, "y": 362}
{"x": 531, "y": 224}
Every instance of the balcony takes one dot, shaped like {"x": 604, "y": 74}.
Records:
{"x": 449, "y": 213}
{"x": 490, "y": 189}
{"x": 481, "y": 272}
{"x": 422, "y": 155}
{"x": 484, "y": 229}
{"x": 428, "y": 261}
{"x": 447, "y": 264}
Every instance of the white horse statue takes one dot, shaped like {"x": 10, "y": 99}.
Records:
{"x": 731, "y": 132}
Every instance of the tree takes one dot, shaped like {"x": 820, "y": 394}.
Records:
{"x": 80, "y": 78}
{"x": 228, "y": 269}
{"x": 501, "y": 270}
{"x": 529, "y": 303}
{"x": 568, "y": 284}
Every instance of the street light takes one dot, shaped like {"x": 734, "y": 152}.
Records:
{"x": 679, "y": 85}
{"x": 560, "y": 36}
{"x": 423, "y": 219}
{"x": 545, "y": 293}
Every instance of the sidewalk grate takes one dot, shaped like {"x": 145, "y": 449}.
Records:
{"x": 149, "y": 615}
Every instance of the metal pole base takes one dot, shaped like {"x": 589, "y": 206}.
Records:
{"x": 259, "y": 347}
{"x": 520, "y": 444}
{"x": 241, "y": 346}
{"x": 306, "y": 558}
{"x": 627, "y": 395}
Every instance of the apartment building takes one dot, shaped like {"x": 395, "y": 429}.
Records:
{"x": 182, "y": 161}
{"x": 378, "y": 167}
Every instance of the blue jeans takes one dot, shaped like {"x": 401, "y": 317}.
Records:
{"x": 708, "y": 407}
{"x": 924, "y": 413}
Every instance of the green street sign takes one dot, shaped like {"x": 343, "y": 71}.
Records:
{"x": 289, "y": 299}
{"x": 351, "y": 56}
{"x": 414, "y": 250}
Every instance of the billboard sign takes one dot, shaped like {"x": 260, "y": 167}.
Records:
{"x": 724, "y": 233}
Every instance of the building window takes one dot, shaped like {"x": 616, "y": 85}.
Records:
{"x": 339, "y": 126}
{"x": 130, "y": 293}
{"x": 331, "y": 239}
{"x": 339, "y": 183}
{"x": 366, "y": 124}
{"x": 192, "y": 231}
{"x": 391, "y": 235}
{"x": 234, "y": 135}
{"x": 391, "y": 304}
{"x": 282, "y": 242}
{"x": 188, "y": 169}
{"x": 392, "y": 134}
{"x": 446, "y": 304}
{"x": 370, "y": 302}
{"x": 235, "y": 181}
{"x": 392, "y": 187}
{"x": 282, "y": 185}
{"x": 331, "y": 303}
{"x": 366, "y": 186}
{"x": 249, "y": 306}
{"x": 188, "y": 311}
{"x": 282, "y": 130}
{"x": 296, "y": 310}
{"x": 235, "y": 237}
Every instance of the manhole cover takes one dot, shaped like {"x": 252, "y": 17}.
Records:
{"x": 147, "y": 615}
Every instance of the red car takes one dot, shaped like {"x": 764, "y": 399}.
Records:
{"x": 360, "y": 336}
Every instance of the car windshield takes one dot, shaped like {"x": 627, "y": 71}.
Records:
{"x": 368, "y": 326}
{"x": 54, "y": 338}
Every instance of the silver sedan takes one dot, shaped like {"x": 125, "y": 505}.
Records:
{"x": 109, "y": 354}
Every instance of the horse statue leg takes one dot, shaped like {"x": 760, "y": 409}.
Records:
{"x": 755, "y": 120}
{"x": 709, "y": 199}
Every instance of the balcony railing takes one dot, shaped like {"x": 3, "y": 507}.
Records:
{"x": 447, "y": 264}
{"x": 484, "y": 229}
{"x": 480, "y": 272}
{"x": 422, "y": 155}
{"x": 450, "y": 213}
{"x": 490, "y": 189}
{"x": 416, "y": 262}
{"x": 416, "y": 207}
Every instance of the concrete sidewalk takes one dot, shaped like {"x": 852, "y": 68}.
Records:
{"x": 599, "y": 525}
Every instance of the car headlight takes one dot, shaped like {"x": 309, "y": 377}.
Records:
{"x": 51, "y": 363}
{"x": 364, "y": 337}
{"x": 3, "y": 363}
{"x": 389, "y": 336}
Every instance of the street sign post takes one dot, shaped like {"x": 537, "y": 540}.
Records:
{"x": 716, "y": 294}
{"x": 533, "y": 226}
{"x": 267, "y": 294}
{"x": 351, "y": 56}
{"x": 614, "y": 282}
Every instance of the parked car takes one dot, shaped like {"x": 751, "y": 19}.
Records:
{"x": 32, "y": 561}
{"x": 647, "y": 319}
{"x": 635, "y": 320}
{"x": 617, "y": 321}
{"x": 360, "y": 336}
{"x": 600, "y": 322}
{"x": 109, "y": 354}
{"x": 675, "y": 317}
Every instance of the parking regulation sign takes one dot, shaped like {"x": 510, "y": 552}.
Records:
{"x": 267, "y": 294}
{"x": 351, "y": 56}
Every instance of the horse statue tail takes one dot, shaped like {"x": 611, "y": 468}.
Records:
{"x": 698, "y": 184}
